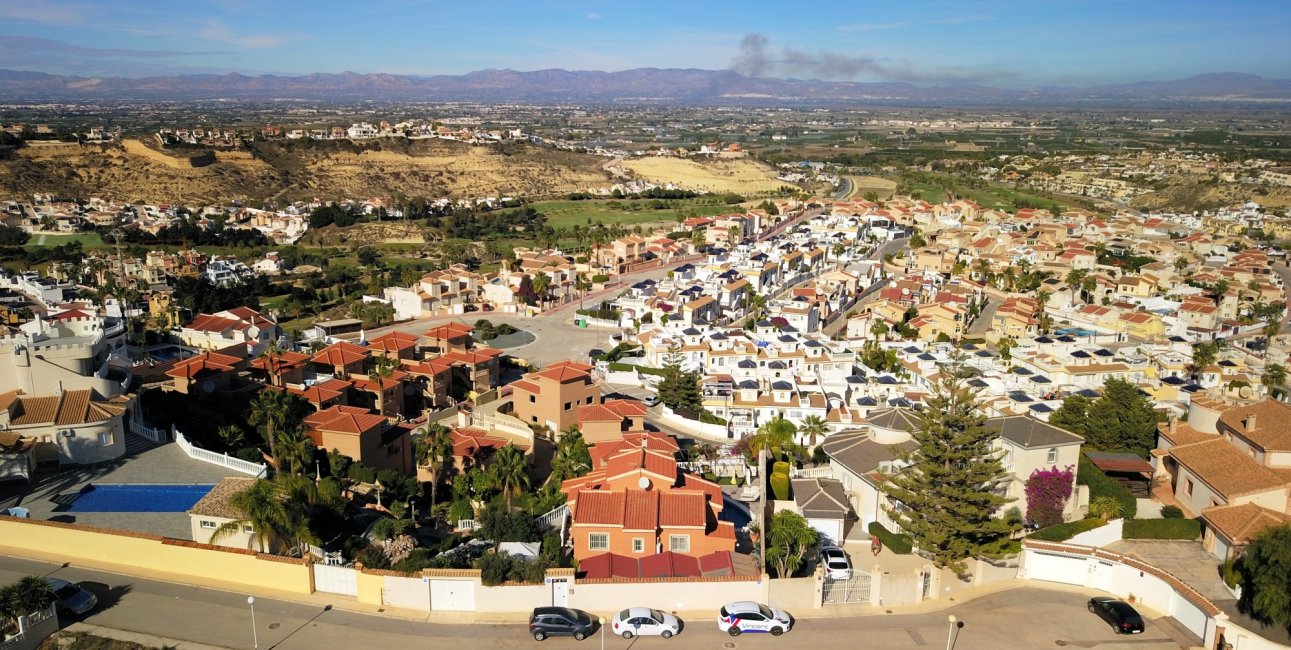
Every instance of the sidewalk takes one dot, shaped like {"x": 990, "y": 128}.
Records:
{"x": 140, "y": 638}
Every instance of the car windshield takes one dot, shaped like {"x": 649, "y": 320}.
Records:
{"x": 656, "y": 615}
{"x": 766, "y": 611}
{"x": 625, "y": 615}
{"x": 68, "y": 591}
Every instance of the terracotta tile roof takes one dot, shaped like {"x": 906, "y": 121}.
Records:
{"x": 1225, "y": 469}
{"x": 657, "y": 462}
{"x": 216, "y": 502}
{"x": 669, "y": 565}
{"x": 211, "y": 323}
{"x": 602, "y": 451}
{"x": 599, "y": 507}
{"x": 566, "y": 371}
{"x": 1182, "y": 433}
{"x": 36, "y": 410}
{"x": 471, "y": 357}
{"x": 609, "y": 565}
{"x": 204, "y": 365}
{"x": 1272, "y": 426}
{"x": 1242, "y": 522}
{"x": 341, "y": 354}
{"x": 373, "y": 383}
{"x": 526, "y": 386}
{"x": 281, "y": 362}
{"x": 641, "y": 510}
{"x": 450, "y": 331}
{"x": 345, "y": 419}
{"x": 683, "y": 508}
{"x": 7, "y": 399}
{"x": 395, "y": 341}
{"x": 316, "y": 394}
{"x": 13, "y": 443}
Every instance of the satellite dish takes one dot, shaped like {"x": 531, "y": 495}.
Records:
{"x": 643, "y": 483}
{"x": 1244, "y": 391}
{"x": 208, "y": 386}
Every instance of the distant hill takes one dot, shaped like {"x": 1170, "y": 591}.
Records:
{"x": 643, "y": 85}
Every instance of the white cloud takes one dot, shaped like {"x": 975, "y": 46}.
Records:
{"x": 959, "y": 20}
{"x": 593, "y": 16}
{"x": 217, "y": 31}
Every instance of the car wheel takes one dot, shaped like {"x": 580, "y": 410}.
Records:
{"x": 734, "y": 631}
{"x": 1091, "y": 609}
{"x": 667, "y": 634}
{"x": 627, "y": 634}
{"x": 777, "y": 631}
{"x": 579, "y": 636}
{"x": 539, "y": 636}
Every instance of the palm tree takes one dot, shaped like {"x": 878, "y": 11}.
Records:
{"x": 813, "y": 426}
{"x": 1221, "y": 288}
{"x": 1074, "y": 279}
{"x": 1088, "y": 286}
{"x": 277, "y": 523}
{"x": 1203, "y": 356}
{"x": 295, "y": 451}
{"x": 232, "y": 436}
{"x": 509, "y": 473}
{"x": 880, "y": 330}
{"x": 541, "y": 284}
{"x": 1274, "y": 378}
{"x": 789, "y": 537}
{"x": 983, "y": 270}
{"x": 270, "y": 409}
{"x": 435, "y": 453}
{"x": 776, "y": 434}
{"x": 1271, "y": 328}
{"x": 1006, "y": 345}
{"x": 571, "y": 458}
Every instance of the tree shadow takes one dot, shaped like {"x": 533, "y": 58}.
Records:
{"x": 326, "y": 608}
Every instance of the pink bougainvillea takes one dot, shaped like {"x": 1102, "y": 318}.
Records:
{"x": 1047, "y": 492}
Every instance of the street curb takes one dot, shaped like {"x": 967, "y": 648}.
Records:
{"x": 138, "y": 637}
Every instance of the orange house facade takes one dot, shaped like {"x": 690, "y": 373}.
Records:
{"x": 638, "y": 504}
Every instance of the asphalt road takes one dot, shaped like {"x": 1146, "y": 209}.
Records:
{"x": 1019, "y": 618}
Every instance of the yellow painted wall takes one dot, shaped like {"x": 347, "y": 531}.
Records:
{"x": 151, "y": 556}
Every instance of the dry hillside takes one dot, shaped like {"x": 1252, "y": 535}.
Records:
{"x": 1193, "y": 193}
{"x": 137, "y": 170}
{"x": 738, "y": 175}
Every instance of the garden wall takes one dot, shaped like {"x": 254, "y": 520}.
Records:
{"x": 154, "y": 556}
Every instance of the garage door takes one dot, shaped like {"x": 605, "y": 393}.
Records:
{"x": 830, "y": 529}
{"x": 1055, "y": 568}
{"x": 452, "y": 595}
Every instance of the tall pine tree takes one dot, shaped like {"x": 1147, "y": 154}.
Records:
{"x": 679, "y": 390}
{"x": 953, "y": 488}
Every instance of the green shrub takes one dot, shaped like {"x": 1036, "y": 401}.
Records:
{"x": 1171, "y": 512}
{"x": 780, "y": 467}
{"x": 627, "y": 367}
{"x": 1064, "y": 532}
{"x": 418, "y": 559}
{"x": 494, "y": 568}
{"x": 250, "y": 454}
{"x": 780, "y": 486}
{"x": 362, "y": 473}
{"x": 1231, "y": 572}
{"x": 897, "y": 543}
{"x": 708, "y": 418}
{"x": 600, "y": 279}
{"x": 1185, "y": 529}
{"x": 461, "y": 509}
{"x": 1100, "y": 485}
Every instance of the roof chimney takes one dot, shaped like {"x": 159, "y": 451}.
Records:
{"x": 1174, "y": 425}
{"x": 1249, "y": 423}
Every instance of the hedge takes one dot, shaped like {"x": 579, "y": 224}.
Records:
{"x": 627, "y": 367}
{"x": 780, "y": 486}
{"x": 1100, "y": 485}
{"x": 897, "y": 543}
{"x": 1185, "y": 529}
{"x": 1064, "y": 532}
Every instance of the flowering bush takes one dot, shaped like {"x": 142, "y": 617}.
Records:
{"x": 1047, "y": 492}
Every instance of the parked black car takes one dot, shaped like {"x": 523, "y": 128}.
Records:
{"x": 560, "y": 621}
{"x": 1122, "y": 617}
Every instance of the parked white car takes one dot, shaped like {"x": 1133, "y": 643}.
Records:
{"x": 643, "y": 621}
{"x": 748, "y": 616}
{"x": 837, "y": 565}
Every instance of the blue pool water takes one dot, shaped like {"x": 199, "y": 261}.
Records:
{"x": 1075, "y": 331}
{"x": 138, "y": 498}
{"x": 735, "y": 512}
{"x": 167, "y": 353}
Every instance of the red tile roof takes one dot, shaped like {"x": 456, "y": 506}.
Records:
{"x": 341, "y": 354}
{"x": 450, "y": 331}
{"x": 599, "y": 507}
{"x": 683, "y": 508}
{"x": 345, "y": 419}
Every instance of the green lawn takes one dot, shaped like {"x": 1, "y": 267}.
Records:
{"x": 563, "y": 214}
{"x": 88, "y": 240}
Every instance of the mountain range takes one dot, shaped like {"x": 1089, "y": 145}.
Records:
{"x": 638, "y": 86}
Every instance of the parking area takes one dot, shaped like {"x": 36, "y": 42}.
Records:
{"x": 49, "y": 493}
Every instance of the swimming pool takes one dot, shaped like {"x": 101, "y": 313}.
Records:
{"x": 168, "y": 353}
{"x": 138, "y": 498}
{"x": 1075, "y": 331}
{"x": 735, "y": 512}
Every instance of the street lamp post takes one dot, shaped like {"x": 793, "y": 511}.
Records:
{"x": 255, "y": 636}
{"x": 601, "y": 622}
{"x": 951, "y": 634}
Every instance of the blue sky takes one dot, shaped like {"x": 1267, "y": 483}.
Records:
{"x": 1000, "y": 42}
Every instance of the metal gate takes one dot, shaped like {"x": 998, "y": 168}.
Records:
{"x": 336, "y": 580}
{"x": 855, "y": 590}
